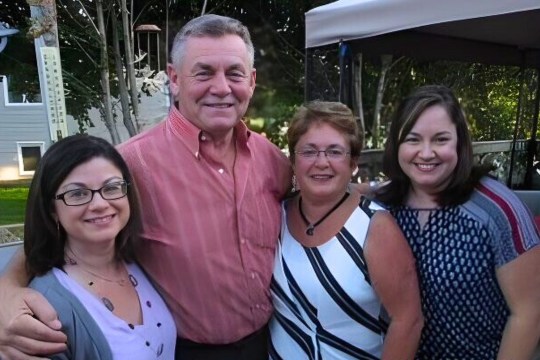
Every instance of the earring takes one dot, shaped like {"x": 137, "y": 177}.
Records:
{"x": 295, "y": 186}
{"x": 58, "y": 229}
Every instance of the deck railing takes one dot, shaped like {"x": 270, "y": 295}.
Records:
{"x": 485, "y": 152}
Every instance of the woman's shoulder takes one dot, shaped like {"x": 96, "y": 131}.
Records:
{"x": 508, "y": 219}
{"x": 74, "y": 317}
{"x": 496, "y": 193}
{"x": 368, "y": 204}
{"x": 49, "y": 286}
{"x": 60, "y": 298}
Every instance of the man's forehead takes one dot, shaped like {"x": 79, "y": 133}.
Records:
{"x": 229, "y": 42}
{"x": 228, "y": 50}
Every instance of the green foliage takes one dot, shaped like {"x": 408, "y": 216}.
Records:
{"x": 80, "y": 54}
{"x": 488, "y": 94}
{"x": 271, "y": 111}
{"x": 12, "y": 205}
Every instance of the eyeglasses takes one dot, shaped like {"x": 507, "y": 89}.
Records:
{"x": 110, "y": 191}
{"x": 333, "y": 154}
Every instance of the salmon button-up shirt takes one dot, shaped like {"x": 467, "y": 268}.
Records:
{"x": 209, "y": 236}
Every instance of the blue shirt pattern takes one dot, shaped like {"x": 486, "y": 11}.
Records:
{"x": 464, "y": 308}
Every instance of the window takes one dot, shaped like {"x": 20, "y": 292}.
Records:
{"x": 29, "y": 154}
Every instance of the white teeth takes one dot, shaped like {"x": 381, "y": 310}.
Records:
{"x": 100, "y": 220}
{"x": 426, "y": 166}
{"x": 220, "y": 106}
{"x": 321, "y": 176}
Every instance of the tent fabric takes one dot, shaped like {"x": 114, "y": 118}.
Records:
{"x": 345, "y": 20}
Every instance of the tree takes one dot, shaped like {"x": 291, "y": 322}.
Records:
{"x": 129, "y": 62}
{"x": 105, "y": 85}
{"x": 124, "y": 95}
{"x": 386, "y": 62}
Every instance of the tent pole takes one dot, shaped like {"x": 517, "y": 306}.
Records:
{"x": 531, "y": 150}
{"x": 516, "y": 127}
{"x": 308, "y": 75}
{"x": 345, "y": 81}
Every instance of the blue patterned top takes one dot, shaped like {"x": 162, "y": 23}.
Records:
{"x": 458, "y": 251}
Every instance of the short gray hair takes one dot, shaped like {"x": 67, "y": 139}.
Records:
{"x": 214, "y": 26}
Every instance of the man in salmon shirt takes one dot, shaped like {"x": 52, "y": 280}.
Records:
{"x": 210, "y": 191}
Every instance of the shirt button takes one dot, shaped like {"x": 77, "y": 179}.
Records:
{"x": 242, "y": 241}
{"x": 258, "y": 306}
{"x": 253, "y": 275}
{"x": 203, "y": 138}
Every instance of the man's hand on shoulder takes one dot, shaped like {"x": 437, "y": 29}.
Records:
{"x": 28, "y": 324}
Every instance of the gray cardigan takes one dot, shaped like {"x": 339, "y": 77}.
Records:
{"x": 84, "y": 337}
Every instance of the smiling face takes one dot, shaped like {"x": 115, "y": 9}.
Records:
{"x": 428, "y": 155}
{"x": 99, "y": 221}
{"x": 214, "y": 82}
{"x": 321, "y": 178}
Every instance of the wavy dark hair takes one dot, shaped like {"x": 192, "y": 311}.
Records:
{"x": 465, "y": 176}
{"x": 43, "y": 240}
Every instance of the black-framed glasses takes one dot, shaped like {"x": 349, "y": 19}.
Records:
{"x": 336, "y": 154}
{"x": 111, "y": 191}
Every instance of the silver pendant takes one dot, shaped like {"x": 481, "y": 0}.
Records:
{"x": 134, "y": 281}
{"x": 310, "y": 229}
{"x": 108, "y": 303}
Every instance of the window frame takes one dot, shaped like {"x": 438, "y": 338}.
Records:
{"x": 22, "y": 144}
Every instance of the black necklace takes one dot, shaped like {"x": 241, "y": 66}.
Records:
{"x": 311, "y": 227}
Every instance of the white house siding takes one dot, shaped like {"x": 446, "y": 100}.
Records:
{"x": 25, "y": 122}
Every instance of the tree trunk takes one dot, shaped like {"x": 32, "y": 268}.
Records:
{"x": 204, "y": 8}
{"x": 129, "y": 64}
{"x": 105, "y": 86}
{"x": 167, "y": 31}
{"x": 359, "y": 102}
{"x": 386, "y": 61}
{"x": 124, "y": 95}
{"x": 131, "y": 33}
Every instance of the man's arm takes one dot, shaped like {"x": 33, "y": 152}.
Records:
{"x": 28, "y": 323}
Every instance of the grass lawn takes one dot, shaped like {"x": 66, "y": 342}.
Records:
{"x": 12, "y": 205}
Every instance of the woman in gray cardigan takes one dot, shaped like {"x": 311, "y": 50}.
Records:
{"x": 82, "y": 221}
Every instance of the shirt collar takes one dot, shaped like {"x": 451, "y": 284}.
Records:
{"x": 192, "y": 136}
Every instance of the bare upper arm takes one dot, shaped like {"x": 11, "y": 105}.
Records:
{"x": 519, "y": 281}
{"x": 392, "y": 267}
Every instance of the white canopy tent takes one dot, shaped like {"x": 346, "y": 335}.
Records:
{"x": 497, "y": 32}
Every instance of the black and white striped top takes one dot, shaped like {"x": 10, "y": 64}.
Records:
{"x": 325, "y": 307}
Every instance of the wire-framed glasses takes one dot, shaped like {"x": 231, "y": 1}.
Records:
{"x": 332, "y": 154}
{"x": 111, "y": 191}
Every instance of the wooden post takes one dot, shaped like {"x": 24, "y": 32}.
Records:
{"x": 44, "y": 31}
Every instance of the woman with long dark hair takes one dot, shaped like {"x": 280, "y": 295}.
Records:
{"x": 81, "y": 227}
{"x": 474, "y": 242}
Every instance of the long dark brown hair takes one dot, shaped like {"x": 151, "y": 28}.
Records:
{"x": 43, "y": 240}
{"x": 464, "y": 177}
